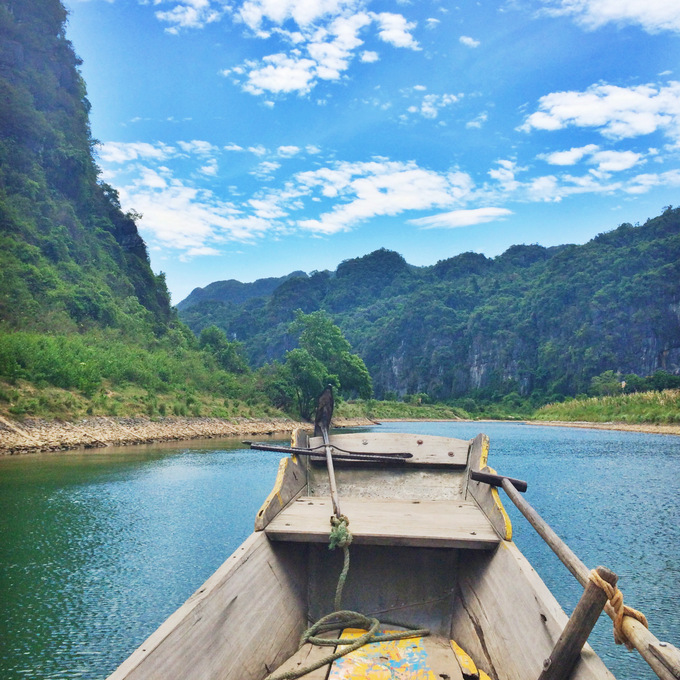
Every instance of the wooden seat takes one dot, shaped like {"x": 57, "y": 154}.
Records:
{"x": 379, "y": 521}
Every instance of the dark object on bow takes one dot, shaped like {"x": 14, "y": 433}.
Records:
{"x": 324, "y": 412}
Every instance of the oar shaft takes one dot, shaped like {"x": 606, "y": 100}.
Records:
{"x": 331, "y": 473}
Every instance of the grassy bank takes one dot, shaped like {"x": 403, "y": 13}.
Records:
{"x": 397, "y": 410}
{"x": 642, "y": 407}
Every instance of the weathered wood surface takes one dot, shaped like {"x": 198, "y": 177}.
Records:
{"x": 487, "y": 497}
{"x": 242, "y": 623}
{"x": 308, "y": 655}
{"x": 420, "y": 658}
{"x": 397, "y": 585}
{"x": 563, "y": 658}
{"x": 446, "y": 524}
{"x": 508, "y": 621}
{"x": 427, "y": 450}
{"x": 290, "y": 482}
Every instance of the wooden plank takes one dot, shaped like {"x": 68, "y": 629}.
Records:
{"x": 394, "y": 584}
{"x": 427, "y": 450}
{"x": 378, "y": 521}
{"x": 487, "y": 497}
{"x": 227, "y": 630}
{"x": 421, "y": 658}
{"x": 290, "y": 481}
{"x": 307, "y": 655}
{"x": 508, "y": 621}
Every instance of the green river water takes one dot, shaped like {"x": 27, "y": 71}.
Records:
{"x": 97, "y": 548}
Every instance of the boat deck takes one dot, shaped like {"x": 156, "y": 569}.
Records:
{"x": 421, "y": 658}
{"x": 380, "y": 521}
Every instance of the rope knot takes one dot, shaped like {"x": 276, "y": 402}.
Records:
{"x": 340, "y": 536}
{"x": 615, "y": 597}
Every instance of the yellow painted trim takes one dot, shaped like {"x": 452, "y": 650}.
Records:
{"x": 467, "y": 665}
{"x": 501, "y": 509}
{"x": 483, "y": 676}
{"x": 276, "y": 491}
{"x": 484, "y": 457}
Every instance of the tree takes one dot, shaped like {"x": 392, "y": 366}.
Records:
{"x": 227, "y": 354}
{"x": 324, "y": 341}
{"x": 308, "y": 376}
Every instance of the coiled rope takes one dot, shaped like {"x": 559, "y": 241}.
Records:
{"x": 341, "y": 537}
{"x": 615, "y": 597}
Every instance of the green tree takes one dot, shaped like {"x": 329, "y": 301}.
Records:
{"x": 324, "y": 341}
{"x": 228, "y": 354}
{"x": 308, "y": 377}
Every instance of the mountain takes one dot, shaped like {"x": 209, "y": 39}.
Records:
{"x": 70, "y": 258}
{"x": 235, "y": 291}
{"x": 533, "y": 321}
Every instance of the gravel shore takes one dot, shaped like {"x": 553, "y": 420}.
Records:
{"x": 35, "y": 435}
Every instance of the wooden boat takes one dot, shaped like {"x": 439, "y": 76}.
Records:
{"x": 432, "y": 547}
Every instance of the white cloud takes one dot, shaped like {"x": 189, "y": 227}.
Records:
{"x": 461, "y": 218}
{"x": 396, "y": 30}
{"x": 652, "y": 15}
{"x": 378, "y": 188}
{"x": 256, "y": 12}
{"x": 431, "y": 23}
{"x": 504, "y": 174}
{"x": 615, "y": 161}
{"x": 570, "y": 157}
{"x": 197, "y": 147}
{"x": 122, "y": 152}
{"x": 265, "y": 170}
{"x": 258, "y": 150}
{"x": 210, "y": 168}
{"x": 478, "y": 121}
{"x": 282, "y": 74}
{"x": 288, "y": 151}
{"x": 468, "y": 41}
{"x": 617, "y": 112}
{"x": 432, "y": 103}
{"x": 321, "y": 38}
{"x": 190, "y": 14}
{"x": 233, "y": 147}
{"x": 369, "y": 57}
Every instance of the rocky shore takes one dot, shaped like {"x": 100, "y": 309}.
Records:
{"x": 36, "y": 435}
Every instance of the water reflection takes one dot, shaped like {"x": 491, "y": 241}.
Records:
{"x": 98, "y": 548}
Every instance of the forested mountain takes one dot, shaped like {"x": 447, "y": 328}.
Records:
{"x": 70, "y": 258}
{"x": 235, "y": 291}
{"x": 535, "y": 321}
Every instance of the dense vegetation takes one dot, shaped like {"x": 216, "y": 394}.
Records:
{"x": 633, "y": 408}
{"x": 86, "y": 326}
{"x": 531, "y": 326}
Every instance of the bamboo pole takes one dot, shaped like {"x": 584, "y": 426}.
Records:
{"x": 662, "y": 657}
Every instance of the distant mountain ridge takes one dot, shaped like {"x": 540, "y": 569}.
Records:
{"x": 234, "y": 291}
{"x": 532, "y": 320}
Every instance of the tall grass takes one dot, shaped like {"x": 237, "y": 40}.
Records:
{"x": 641, "y": 407}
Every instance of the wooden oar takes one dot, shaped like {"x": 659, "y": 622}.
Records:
{"x": 322, "y": 422}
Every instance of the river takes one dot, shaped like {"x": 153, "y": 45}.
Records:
{"x": 97, "y": 548}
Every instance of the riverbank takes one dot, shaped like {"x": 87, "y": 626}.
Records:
{"x": 35, "y": 435}
{"x": 647, "y": 428}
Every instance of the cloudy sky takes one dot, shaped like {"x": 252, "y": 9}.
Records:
{"x": 258, "y": 137}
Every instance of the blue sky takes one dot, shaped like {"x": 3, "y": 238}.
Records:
{"x": 259, "y": 137}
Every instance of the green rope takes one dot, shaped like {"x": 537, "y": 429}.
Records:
{"x": 341, "y": 537}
